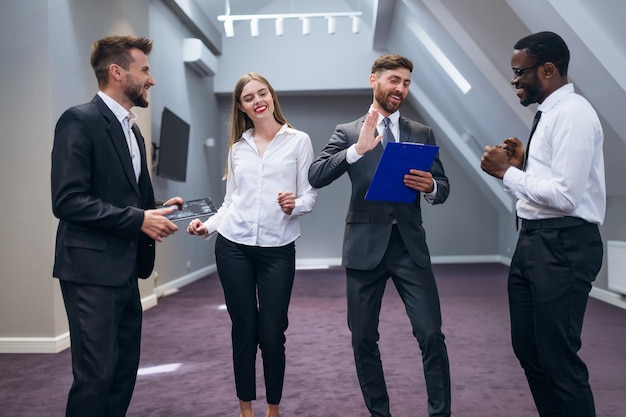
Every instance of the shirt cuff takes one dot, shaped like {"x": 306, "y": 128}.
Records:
{"x": 430, "y": 197}
{"x": 512, "y": 176}
{"x": 352, "y": 155}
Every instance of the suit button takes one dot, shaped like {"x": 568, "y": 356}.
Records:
{"x": 131, "y": 244}
{"x": 391, "y": 216}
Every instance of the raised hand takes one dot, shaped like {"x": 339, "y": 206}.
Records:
{"x": 367, "y": 141}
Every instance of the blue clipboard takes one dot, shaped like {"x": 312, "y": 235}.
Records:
{"x": 398, "y": 158}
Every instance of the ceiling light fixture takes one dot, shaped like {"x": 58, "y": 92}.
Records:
{"x": 332, "y": 25}
{"x": 355, "y": 24}
{"x": 280, "y": 27}
{"x": 229, "y": 19}
{"x": 306, "y": 25}
{"x": 254, "y": 28}
{"x": 229, "y": 28}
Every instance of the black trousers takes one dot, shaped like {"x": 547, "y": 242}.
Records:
{"x": 418, "y": 290}
{"x": 257, "y": 283}
{"x": 105, "y": 335}
{"x": 549, "y": 282}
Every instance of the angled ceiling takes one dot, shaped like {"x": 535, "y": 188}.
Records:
{"x": 476, "y": 37}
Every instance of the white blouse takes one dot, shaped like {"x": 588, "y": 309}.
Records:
{"x": 250, "y": 213}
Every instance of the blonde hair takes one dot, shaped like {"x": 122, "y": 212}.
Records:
{"x": 239, "y": 120}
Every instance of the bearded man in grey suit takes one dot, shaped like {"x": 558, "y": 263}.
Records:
{"x": 384, "y": 239}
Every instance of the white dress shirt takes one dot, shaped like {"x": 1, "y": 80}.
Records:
{"x": 565, "y": 171}
{"x": 126, "y": 119}
{"x": 250, "y": 214}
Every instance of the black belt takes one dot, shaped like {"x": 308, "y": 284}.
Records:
{"x": 554, "y": 223}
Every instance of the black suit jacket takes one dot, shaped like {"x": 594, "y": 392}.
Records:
{"x": 97, "y": 199}
{"x": 369, "y": 223}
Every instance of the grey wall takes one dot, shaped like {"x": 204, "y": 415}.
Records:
{"x": 466, "y": 213}
{"x": 191, "y": 97}
{"x": 322, "y": 81}
{"x": 41, "y": 74}
{"x": 27, "y": 226}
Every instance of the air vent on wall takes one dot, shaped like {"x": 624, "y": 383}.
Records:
{"x": 197, "y": 56}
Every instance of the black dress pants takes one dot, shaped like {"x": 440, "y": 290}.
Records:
{"x": 549, "y": 282}
{"x": 105, "y": 334}
{"x": 257, "y": 283}
{"x": 418, "y": 290}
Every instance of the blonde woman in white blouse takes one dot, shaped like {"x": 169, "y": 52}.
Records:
{"x": 267, "y": 189}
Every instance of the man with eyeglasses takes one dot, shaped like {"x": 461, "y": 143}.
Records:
{"x": 559, "y": 183}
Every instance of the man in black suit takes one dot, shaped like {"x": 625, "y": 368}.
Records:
{"x": 103, "y": 197}
{"x": 384, "y": 239}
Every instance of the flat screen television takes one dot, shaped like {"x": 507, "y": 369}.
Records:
{"x": 173, "y": 147}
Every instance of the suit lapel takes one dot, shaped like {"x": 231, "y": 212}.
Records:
{"x": 405, "y": 130}
{"x": 119, "y": 141}
{"x": 144, "y": 173}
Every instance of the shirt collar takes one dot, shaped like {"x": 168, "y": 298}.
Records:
{"x": 556, "y": 96}
{"x": 120, "y": 112}
{"x": 284, "y": 129}
{"x": 394, "y": 117}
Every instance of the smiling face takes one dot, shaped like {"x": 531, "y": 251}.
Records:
{"x": 390, "y": 89}
{"x": 138, "y": 79}
{"x": 528, "y": 86}
{"x": 256, "y": 101}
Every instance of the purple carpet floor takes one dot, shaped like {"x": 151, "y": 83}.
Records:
{"x": 186, "y": 368}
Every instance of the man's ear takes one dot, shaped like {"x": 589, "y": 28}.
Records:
{"x": 549, "y": 69}
{"x": 115, "y": 72}
{"x": 373, "y": 79}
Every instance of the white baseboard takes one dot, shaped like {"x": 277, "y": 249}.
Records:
{"x": 470, "y": 259}
{"x": 172, "y": 287}
{"x": 148, "y": 301}
{"x": 608, "y": 297}
{"x": 320, "y": 263}
{"x": 464, "y": 259}
{"x": 35, "y": 344}
{"x": 61, "y": 342}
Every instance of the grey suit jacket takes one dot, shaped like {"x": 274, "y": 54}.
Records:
{"x": 369, "y": 223}
{"x": 97, "y": 199}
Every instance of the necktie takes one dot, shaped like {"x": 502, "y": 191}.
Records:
{"x": 387, "y": 133}
{"x": 133, "y": 148}
{"x": 532, "y": 131}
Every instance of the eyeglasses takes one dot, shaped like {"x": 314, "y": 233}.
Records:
{"x": 519, "y": 72}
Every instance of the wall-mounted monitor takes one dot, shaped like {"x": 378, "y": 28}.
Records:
{"x": 173, "y": 147}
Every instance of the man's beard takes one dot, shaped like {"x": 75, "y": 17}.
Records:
{"x": 134, "y": 93}
{"x": 533, "y": 92}
{"x": 382, "y": 99}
